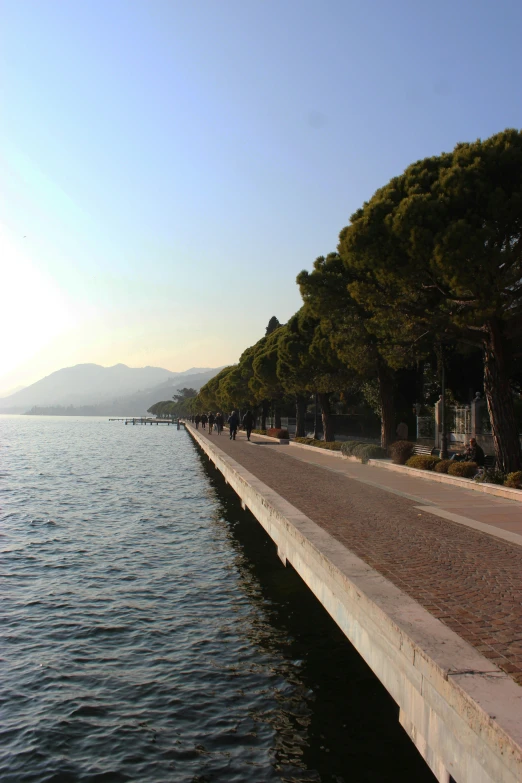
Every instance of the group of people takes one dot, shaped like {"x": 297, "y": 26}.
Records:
{"x": 217, "y": 420}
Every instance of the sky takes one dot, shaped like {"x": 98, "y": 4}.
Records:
{"x": 167, "y": 167}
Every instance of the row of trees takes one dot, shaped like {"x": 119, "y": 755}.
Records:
{"x": 432, "y": 263}
{"x": 182, "y": 404}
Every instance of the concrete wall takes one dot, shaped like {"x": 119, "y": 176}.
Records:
{"x": 462, "y": 713}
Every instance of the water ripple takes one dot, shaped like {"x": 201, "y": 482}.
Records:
{"x": 149, "y": 632}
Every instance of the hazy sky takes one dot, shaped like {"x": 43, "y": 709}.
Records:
{"x": 167, "y": 167}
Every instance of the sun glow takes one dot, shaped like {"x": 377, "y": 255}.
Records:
{"x": 34, "y": 310}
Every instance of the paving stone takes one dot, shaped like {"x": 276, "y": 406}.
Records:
{"x": 468, "y": 579}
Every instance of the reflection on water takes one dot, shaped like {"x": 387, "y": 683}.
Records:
{"x": 150, "y": 633}
{"x": 333, "y": 716}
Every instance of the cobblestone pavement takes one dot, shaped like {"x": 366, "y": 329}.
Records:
{"x": 469, "y": 580}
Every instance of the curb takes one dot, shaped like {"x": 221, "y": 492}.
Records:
{"x": 442, "y": 478}
{"x": 269, "y": 437}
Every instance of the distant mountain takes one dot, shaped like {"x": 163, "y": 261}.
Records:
{"x": 142, "y": 401}
{"x": 93, "y": 385}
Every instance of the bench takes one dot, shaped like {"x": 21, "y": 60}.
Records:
{"x": 424, "y": 450}
{"x": 489, "y": 460}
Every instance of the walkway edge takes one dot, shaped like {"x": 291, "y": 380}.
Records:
{"x": 443, "y": 478}
{"x": 461, "y": 711}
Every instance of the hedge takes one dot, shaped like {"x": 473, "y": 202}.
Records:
{"x": 443, "y": 466}
{"x": 422, "y": 462}
{"x": 372, "y": 451}
{"x": 331, "y": 445}
{"x": 514, "y": 480}
{"x": 348, "y": 446}
{"x": 275, "y": 432}
{"x": 362, "y": 450}
{"x": 401, "y": 451}
{"x": 463, "y": 469}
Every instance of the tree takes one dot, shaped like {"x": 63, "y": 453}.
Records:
{"x": 265, "y": 382}
{"x": 273, "y": 324}
{"x": 209, "y": 396}
{"x": 309, "y": 362}
{"x": 183, "y": 394}
{"x": 326, "y": 295}
{"x": 293, "y": 374}
{"x": 439, "y": 250}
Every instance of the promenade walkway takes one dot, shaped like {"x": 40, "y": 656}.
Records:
{"x": 456, "y": 552}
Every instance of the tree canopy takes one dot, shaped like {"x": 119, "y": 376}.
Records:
{"x": 439, "y": 250}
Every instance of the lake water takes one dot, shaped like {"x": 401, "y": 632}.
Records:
{"x": 148, "y": 631}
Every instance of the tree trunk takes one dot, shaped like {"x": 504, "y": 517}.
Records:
{"x": 500, "y": 401}
{"x": 277, "y": 415}
{"x": 326, "y": 415}
{"x": 385, "y": 377}
{"x": 265, "y": 405}
{"x": 300, "y": 415}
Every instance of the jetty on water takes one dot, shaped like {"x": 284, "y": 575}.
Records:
{"x": 149, "y": 420}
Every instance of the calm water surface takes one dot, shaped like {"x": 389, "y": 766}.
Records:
{"x": 150, "y": 633}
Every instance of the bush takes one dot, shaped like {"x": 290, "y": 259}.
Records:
{"x": 348, "y": 446}
{"x": 364, "y": 451}
{"x": 514, "y": 480}
{"x": 331, "y": 445}
{"x": 358, "y": 449}
{"x": 259, "y": 432}
{"x": 422, "y": 462}
{"x": 490, "y": 476}
{"x": 443, "y": 466}
{"x": 463, "y": 469}
{"x": 275, "y": 432}
{"x": 401, "y": 451}
{"x": 372, "y": 451}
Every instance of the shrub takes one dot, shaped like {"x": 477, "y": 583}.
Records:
{"x": 514, "y": 480}
{"x": 363, "y": 450}
{"x": 462, "y": 469}
{"x": 331, "y": 445}
{"x": 422, "y": 462}
{"x": 348, "y": 446}
{"x": 443, "y": 466}
{"x": 372, "y": 451}
{"x": 358, "y": 449}
{"x": 401, "y": 451}
{"x": 490, "y": 476}
{"x": 275, "y": 432}
{"x": 259, "y": 432}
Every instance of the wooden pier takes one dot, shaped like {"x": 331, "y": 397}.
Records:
{"x": 147, "y": 420}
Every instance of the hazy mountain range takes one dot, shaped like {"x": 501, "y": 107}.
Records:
{"x": 99, "y": 391}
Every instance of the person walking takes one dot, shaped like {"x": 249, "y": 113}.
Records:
{"x": 197, "y": 419}
{"x": 248, "y": 423}
{"x": 233, "y": 423}
{"x": 219, "y": 423}
{"x": 211, "y": 420}
{"x": 204, "y": 420}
